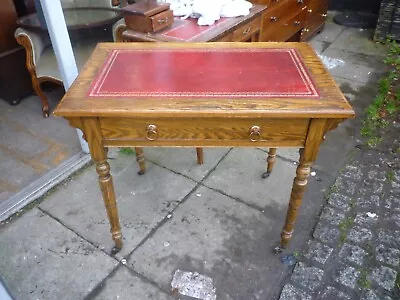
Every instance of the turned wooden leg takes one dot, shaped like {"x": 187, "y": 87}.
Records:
{"x": 308, "y": 155}
{"x": 270, "y": 162}
{"x": 298, "y": 188}
{"x": 140, "y": 160}
{"x": 92, "y": 131}
{"x": 107, "y": 189}
{"x": 200, "y": 156}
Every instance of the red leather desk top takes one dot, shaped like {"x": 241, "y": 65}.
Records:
{"x": 208, "y": 72}
{"x": 188, "y": 30}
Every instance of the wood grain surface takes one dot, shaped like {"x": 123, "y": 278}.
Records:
{"x": 205, "y": 122}
{"x": 331, "y": 104}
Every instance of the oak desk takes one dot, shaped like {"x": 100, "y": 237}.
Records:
{"x": 204, "y": 95}
{"x": 239, "y": 29}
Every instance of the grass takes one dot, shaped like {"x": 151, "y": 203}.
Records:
{"x": 390, "y": 176}
{"x": 387, "y": 102}
{"x": 362, "y": 280}
{"x": 332, "y": 189}
{"x": 344, "y": 227}
{"x": 127, "y": 151}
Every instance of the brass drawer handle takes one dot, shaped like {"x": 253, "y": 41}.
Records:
{"x": 274, "y": 19}
{"x": 297, "y": 23}
{"x": 300, "y": 1}
{"x": 162, "y": 21}
{"x": 152, "y": 133}
{"x": 246, "y": 31}
{"x": 324, "y": 15}
{"x": 310, "y": 10}
{"x": 255, "y": 133}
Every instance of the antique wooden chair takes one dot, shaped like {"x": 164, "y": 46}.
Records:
{"x": 40, "y": 59}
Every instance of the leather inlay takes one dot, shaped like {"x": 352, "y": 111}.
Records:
{"x": 188, "y": 30}
{"x": 207, "y": 72}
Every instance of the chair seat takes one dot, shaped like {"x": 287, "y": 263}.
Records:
{"x": 47, "y": 63}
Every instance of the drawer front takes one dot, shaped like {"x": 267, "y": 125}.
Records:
{"x": 162, "y": 20}
{"x": 273, "y": 3}
{"x": 204, "y": 132}
{"x": 315, "y": 18}
{"x": 281, "y": 11}
{"x": 245, "y": 31}
{"x": 226, "y": 38}
{"x": 273, "y": 15}
{"x": 313, "y": 23}
{"x": 286, "y": 29}
{"x": 316, "y": 6}
{"x": 262, "y": 2}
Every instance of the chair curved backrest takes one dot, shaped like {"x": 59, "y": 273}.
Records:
{"x": 86, "y": 3}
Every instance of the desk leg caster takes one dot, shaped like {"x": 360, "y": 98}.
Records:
{"x": 115, "y": 250}
{"x": 118, "y": 242}
{"x": 278, "y": 249}
{"x": 140, "y": 160}
{"x": 265, "y": 175}
{"x": 270, "y": 162}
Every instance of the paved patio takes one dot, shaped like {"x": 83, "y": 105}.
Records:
{"x": 220, "y": 219}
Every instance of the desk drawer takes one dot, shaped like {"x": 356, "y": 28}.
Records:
{"x": 245, "y": 31}
{"x": 203, "y": 132}
{"x": 162, "y": 20}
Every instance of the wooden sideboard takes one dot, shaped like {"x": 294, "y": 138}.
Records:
{"x": 292, "y": 20}
{"x": 15, "y": 82}
{"x": 315, "y": 18}
{"x": 269, "y": 20}
{"x": 240, "y": 29}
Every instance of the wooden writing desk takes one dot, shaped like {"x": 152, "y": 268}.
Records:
{"x": 239, "y": 29}
{"x": 204, "y": 95}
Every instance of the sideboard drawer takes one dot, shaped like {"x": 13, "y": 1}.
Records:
{"x": 262, "y": 2}
{"x": 282, "y": 10}
{"x": 225, "y": 38}
{"x": 246, "y": 30}
{"x": 215, "y": 131}
{"x": 275, "y": 2}
{"x": 272, "y": 16}
{"x": 287, "y": 28}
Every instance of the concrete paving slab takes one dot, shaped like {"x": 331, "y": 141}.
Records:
{"x": 351, "y": 88}
{"x": 217, "y": 237}
{"x": 14, "y": 176}
{"x": 35, "y": 144}
{"x": 343, "y": 139}
{"x": 330, "y": 33}
{"x": 125, "y": 285}
{"x": 239, "y": 175}
{"x": 355, "y": 66}
{"x": 14, "y": 140}
{"x": 143, "y": 201}
{"x": 41, "y": 259}
{"x": 319, "y": 46}
{"x": 358, "y": 41}
{"x": 184, "y": 160}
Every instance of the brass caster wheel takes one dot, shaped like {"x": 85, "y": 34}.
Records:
{"x": 115, "y": 250}
{"x": 278, "y": 249}
{"x": 265, "y": 175}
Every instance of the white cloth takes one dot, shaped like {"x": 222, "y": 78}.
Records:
{"x": 209, "y": 11}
